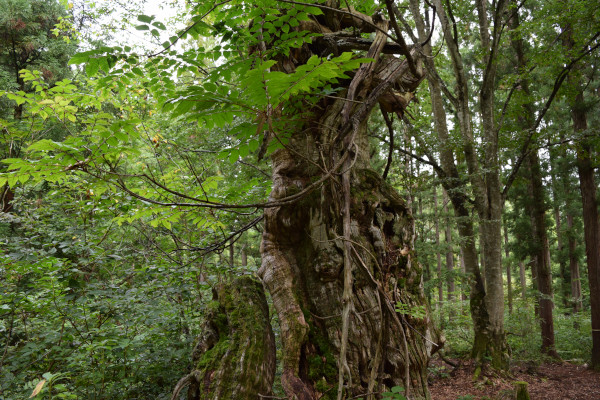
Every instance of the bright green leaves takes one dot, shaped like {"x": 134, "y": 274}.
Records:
{"x": 103, "y": 59}
{"x": 145, "y": 18}
{"x": 273, "y": 88}
{"x": 100, "y": 137}
{"x": 153, "y": 28}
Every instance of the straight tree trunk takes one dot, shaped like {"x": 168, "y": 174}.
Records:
{"x": 573, "y": 283}
{"x": 508, "y": 271}
{"x": 587, "y": 185}
{"x": 485, "y": 342}
{"x": 449, "y": 256}
{"x": 463, "y": 292}
{"x": 564, "y": 277}
{"x": 541, "y": 252}
{"x": 576, "y": 297}
{"x": 544, "y": 274}
{"x": 440, "y": 283}
{"x": 522, "y": 280}
{"x": 244, "y": 256}
{"x": 487, "y": 185}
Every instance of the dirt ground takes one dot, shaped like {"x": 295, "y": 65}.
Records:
{"x": 560, "y": 381}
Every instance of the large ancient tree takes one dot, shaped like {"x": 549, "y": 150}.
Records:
{"x": 337, "y": 245}
{"x": 337, "y": 255}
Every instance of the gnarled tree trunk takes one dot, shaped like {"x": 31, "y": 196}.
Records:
{"x": 303, "y": 262}
{"x": 338, "y": 261}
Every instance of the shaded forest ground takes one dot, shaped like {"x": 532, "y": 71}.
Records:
{"x": 556, "y": 381}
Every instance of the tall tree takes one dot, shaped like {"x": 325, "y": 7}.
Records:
{"x": 538, "y": 206}
{"x": 356, "y": 228}
{"x": 587, "y": 185}
{"x": 486, "y": 305}
{"x": 30, "y": 38}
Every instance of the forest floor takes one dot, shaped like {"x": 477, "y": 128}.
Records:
{"x": 557, "y": 381}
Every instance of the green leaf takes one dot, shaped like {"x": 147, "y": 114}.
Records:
{"x": 253, "y": 145}
{"x": 142, "y": 28}
{"x": 159, "y": 25}
{"x": 79, "y": 58}
{"x": 92, "y": 67}
{"x": 233, "y": 156}
{"x": 145, "y": 18}
{"x": 313, "y": 10}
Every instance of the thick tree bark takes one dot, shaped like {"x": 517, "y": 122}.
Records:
{"x": 302, "y": 267}
{"x": 339, "y": 261}
{"x": 234, "y": 357}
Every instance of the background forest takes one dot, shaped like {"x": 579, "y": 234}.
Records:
{"x": 142, "y": 167}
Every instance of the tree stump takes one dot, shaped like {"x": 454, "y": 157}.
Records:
{"x": 521, "y": 391}
{"x": 234, "y": 357}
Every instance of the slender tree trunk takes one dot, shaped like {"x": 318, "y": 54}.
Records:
{"x": 463, "y": 292}
{"x": 576, "y": 297}
{"x": 484, "y": 340}
{"x": 544, "y": 274}
{"x": 587, "y": 185}
{"x": 482, "y": 261}
{"x": 508, "y": 271}
{"x": 573, "y": 290}
{"x": 244, "y": 257}
{"x": 440, "y": 281}
{"x": 565, "y": 279}
{"x": 538, "y": 213}
{"x": 564, "y": 276}
{"x": 522, "y": 280}
{"x": 449, "y": 256}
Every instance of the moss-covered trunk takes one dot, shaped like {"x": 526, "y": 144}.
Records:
{"x": 303, "y": 253}
{"x": 234, "y": 357}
